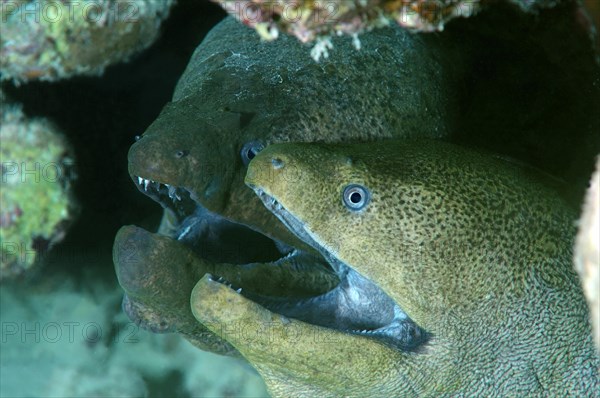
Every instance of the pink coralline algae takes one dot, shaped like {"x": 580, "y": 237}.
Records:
{"x": 310, "y": 19}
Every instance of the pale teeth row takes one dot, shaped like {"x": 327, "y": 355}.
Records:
{"x": 269, "y": 199}
{"x": 223, "y": 281}
{"x": 145, "y": 182}
{"x": 363, "y": 331}
{"x": 172, "y": 190}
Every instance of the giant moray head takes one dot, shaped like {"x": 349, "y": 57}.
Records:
{"x": 171, "y": 163}
{"x": 400, "y": 212}
{"x": 463, "y": 246}
{"x": 174, "y": 152}
{"x": 190, "y": 158}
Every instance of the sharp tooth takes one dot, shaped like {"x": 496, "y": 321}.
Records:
{"x": 239, "y": 290}
{"x": 146, "y": 182}
{"x": 140, "y": 179}
{"x": 172, "y": 192}
{"x": 167, "y": 185}
{"x": 184, "y": 233}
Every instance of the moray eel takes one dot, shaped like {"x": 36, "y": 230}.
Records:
{"x": 238, "y": 95}
{"x": 473, "y": 252}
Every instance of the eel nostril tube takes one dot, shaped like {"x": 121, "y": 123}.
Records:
{"x": 277, "y": 163}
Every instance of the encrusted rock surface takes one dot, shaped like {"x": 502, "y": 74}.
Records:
{"x": 51, "y": 40}
{"x": 36, "y": 195}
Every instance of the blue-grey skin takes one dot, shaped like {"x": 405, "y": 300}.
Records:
{"x": 475, "y": 251}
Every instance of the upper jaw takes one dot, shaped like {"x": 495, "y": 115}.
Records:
{"x": 291, "y": 222}
{"x": 178, "y": 199}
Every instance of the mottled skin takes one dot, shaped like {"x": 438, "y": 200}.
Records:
{"x": 475, "y": 250}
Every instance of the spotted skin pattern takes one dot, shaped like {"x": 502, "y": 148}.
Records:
{"x": 477, "y": 251}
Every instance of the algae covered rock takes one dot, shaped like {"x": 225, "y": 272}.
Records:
{"x": 51, "y": 40}
{"x": 309, "y": 20}
{"x": 36, "y": 194}
{"x": 318, "y": 21}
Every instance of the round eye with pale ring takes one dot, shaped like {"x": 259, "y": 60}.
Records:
{"x": 250, "y": 150}
{"x": 355, "y": 197}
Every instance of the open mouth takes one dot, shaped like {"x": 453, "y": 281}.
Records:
{"x": 332, "y": 295}
{"x": 180, "y": 200}
{"x": 211, "y": 236}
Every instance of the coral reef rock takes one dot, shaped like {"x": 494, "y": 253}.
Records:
{"x": 51, "y": 40}
{"x": 315, "y": 20}
{"x": 36, "y": 194}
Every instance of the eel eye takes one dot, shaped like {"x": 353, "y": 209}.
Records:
{"x": 250, "y": 150}
{"x": 180, "y": 154}
{"x": 355, "y": 197}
